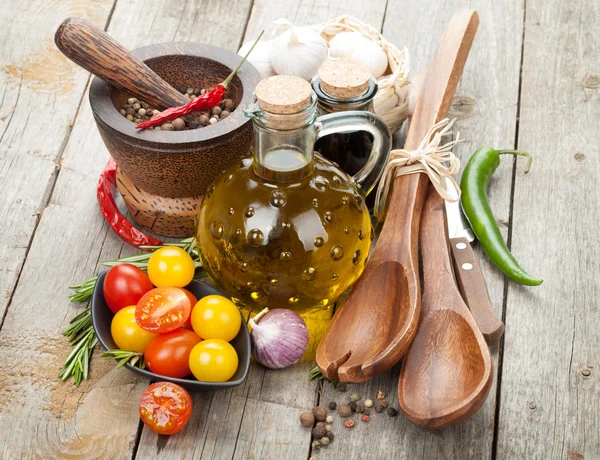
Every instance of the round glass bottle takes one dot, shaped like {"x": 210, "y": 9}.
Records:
{"x": 286, "y": 227}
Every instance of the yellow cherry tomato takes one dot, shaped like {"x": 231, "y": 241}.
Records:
{"x": 213, "y": 360}
{"x": 216, "y": 317}
{"x": 170, "y": 266}
{"x": 127, "y": 334}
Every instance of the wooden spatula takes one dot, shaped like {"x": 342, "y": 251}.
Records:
{"x": 377, "y": 324}
{"x": 447, "y": 372}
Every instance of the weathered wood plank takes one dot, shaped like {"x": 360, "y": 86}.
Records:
{"x": 485, "y": 105}
{"x": 550, "y": 382}
{"x": 260, "y": 418}
{"x": 41, "y": 92}
{"x": 100, "y": 420}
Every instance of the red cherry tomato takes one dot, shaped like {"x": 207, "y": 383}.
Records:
{"x": 165, "y": 408}
{"x": 163, "y": 309}
{"x": 124, "y": 285}
{"x": 169, "y": 354}
{"x": 193, "y": 302}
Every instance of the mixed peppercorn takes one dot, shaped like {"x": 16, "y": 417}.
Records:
{"x": 321, "y": 424}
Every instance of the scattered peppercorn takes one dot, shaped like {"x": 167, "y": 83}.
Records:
{"x": 392, "y": 412}
{"x": 352, "y": 405}
{"x": 349, "y": 423}
{"x": 367, "y": 411}
{"x": 329, "y": 419}
{"x": 354, "y": 397}
{"x": 365, "y": 418}
{"x": 313, "y": 458}
{"x": 381, "y": 406}
{"x": 330, "y": 435}
{"x": 307, "y": 419}
{"x": 320, "y": 424}
{"x": 332, "y": 405}
{"x": 380, "y": 395}
{"x": 320, "y": 413}
{"x": 369, "y": 403}
{"x": 325, "y": 441}
{"x": 359, "y": 409}
{"x": 345, "y": 410}
{"x": 328, "y": 427}
{"x": 318, "y": 432}
{"x": 316, "y": 445}
{"x": 341, "y": 387}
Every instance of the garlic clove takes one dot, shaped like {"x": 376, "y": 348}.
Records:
{"x": 259, "y": 57}
{"x": 299, "y": 51}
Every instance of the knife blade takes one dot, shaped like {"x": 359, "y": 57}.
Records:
{"x": 468, "y": 272}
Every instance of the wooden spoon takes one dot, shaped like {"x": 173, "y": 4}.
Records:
{"x": 447, "y": 373}
{"x": 376, "y": 325}
{"x": 99, "y": 53}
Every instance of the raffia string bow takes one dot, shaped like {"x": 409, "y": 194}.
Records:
{"x": 431, "y": 157}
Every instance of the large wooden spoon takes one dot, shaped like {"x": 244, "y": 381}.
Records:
{"x": 447, "y": 373}
{"x": 376, "y": 325}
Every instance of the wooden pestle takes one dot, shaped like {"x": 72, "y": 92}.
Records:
{"x": 98, "y": 53}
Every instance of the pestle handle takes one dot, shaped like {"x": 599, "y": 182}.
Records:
{"x": 97, "y": 52}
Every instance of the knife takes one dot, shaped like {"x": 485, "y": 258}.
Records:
{"x": 468, "y": 272}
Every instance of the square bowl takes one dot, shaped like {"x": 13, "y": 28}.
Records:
{"x": 102, "y": 317}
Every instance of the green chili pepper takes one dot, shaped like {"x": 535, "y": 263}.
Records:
{"x": 474, "y": 184}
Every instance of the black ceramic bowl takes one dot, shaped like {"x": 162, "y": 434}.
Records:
{"x": 102, "y": 317}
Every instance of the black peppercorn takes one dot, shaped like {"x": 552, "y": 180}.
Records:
{"x": 332, "y": 405}
{"x": 379, "y": 407}
{"x": 359, "y": 409}
{"x": 352, "y": 405}
{"x": 318, "y": 432}
{"x": 392, "y": 412}
{"x": 330, "y": 435}
{"x": 341, "y": 387}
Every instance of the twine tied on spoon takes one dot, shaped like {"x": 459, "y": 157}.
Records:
{"x": 431, "y": 157}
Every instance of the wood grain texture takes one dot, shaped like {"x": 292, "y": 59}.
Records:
{"x": 486, "y": 106}
{"x": 447, "y": 372}
{"x": 40, "y": 94}
{"x": 550, "y": 380}
{"x": 473, "y": 288}
{"x": 49, "y": 419}
{"x": 365, "y": 354}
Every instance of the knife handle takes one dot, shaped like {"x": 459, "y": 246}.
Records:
{"x": 474, "y": 290}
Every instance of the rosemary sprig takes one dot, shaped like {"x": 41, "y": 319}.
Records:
{"x": 83, "y": 292}
{"x": 316, "y": 374}
{"x": 82, "y": 336}
{"x": 125, "y": 356}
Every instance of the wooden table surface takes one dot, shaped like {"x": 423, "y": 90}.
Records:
{"x": 531, "y": 82}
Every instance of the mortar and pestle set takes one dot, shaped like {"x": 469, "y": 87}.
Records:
{"x": 162, "y": 175}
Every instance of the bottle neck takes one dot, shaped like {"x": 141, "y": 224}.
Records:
{"x": 284, "y": 144}
{"x": 328, "y": 103}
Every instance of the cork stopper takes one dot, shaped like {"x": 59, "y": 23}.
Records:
{"x": 344, "y": 77}
{"x": 283, "y": 94}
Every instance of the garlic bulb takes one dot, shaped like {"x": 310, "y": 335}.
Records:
{"x": 298, "y": 51}
{"x": 259, "y": 57}
{"x": 356, "y": 46}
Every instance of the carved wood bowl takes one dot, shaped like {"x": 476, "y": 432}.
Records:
{"x": 163, "y": 174}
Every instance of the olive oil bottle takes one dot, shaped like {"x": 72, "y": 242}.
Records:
{"x": 285, "y": 227}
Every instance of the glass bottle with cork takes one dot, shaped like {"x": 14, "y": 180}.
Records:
{"x": 285, "y": 227}
{"x": 343, "y": 85}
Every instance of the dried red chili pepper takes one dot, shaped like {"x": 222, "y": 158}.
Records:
{"x": 205, "y": 102}
{"x": 117, "y": 221}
